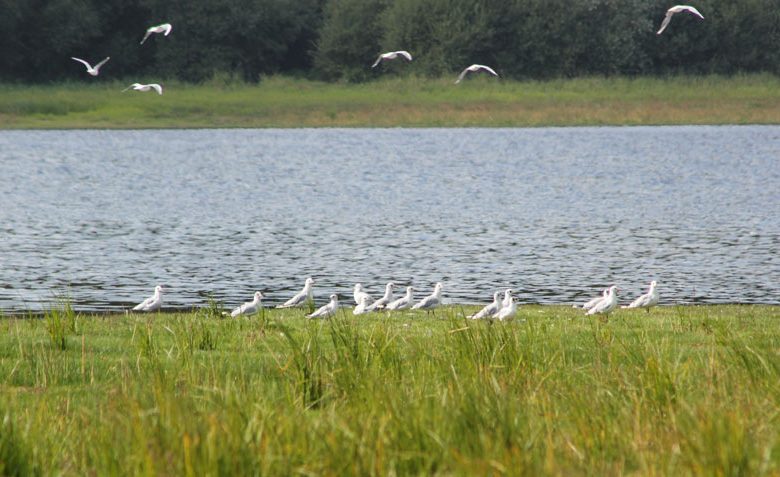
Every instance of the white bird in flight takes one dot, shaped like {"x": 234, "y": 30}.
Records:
{"x": 607, "y": 304}
{"x": 490, "y": 309}
{"x": 648, "y": 300}
{"x": 361, "y": 306}
{"x": 302, "y": 298}
{"x": 250, "y": 307}
{"x": 381, "y": 303}
{"x": 431, "y": 301}
{"x": 162, "y": 28}
{"x": 144, "y": 87}
{"x": 152, "y": 303}
{"x": 677, "y": 9}
{"x": 359, "y": 294}
{"x": 391, "y": 55}
{"x": 93, "y": 70}
{"x": 474, "y": 68}
{"x": 326, "y": 311}
{"x": 403, "y": 302}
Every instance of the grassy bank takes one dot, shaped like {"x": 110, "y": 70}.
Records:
{"x": 408, "y": 102}
{"x": 679, "y": 391}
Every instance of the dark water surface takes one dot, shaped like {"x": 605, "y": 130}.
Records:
{"x": 556, "y": 213}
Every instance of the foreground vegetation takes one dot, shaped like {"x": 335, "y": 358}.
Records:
{"x": 679, "y": 391}
{"x": 408, "y": 102}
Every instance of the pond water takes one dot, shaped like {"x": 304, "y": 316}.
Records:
{"x": 555, "y": 213}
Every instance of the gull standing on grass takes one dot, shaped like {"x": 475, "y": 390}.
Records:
{"x": 593, "y": 302}
{"x": 326, "y": 311}
{"x": 490, "y": 309}
{"x": 361, "y": 306}
{"x": 431, "y": 301}
{"x": 250, "y": 307}
{"x": 607, "y": 304}
{"x": 145, "y": 87}
{"x": 391, "y": 55}
{"x": 359, "y": 293}
{"x": 152, "y": 303}
{"x": 677, "y": 9}
{"x": 162, "y": 28}
{"x": 93, "y": 70}
{"x": 403, "y": 302}
{"x": 474, "y": 68}
{"x": 381, "y": 303}
{"x": 303, "y": 297}
{"x": 507, "y": 312}
{"x": 646, "y": 301}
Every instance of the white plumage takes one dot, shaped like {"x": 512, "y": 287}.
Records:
{"x": 606, "y": 305}
{"x": 359, "y": 293}
{"x": 431, "y": 301}
{"x": 391, "y": 55}
{"x": 677, "y": 9}
{"x": 474, "y": 68}
{"x": 145, "y": 87}
{"x": 361, "y": 306}
{"x": 381, "y": 303}
{"x": 648, "y": 300}
{"x": 303, "y": 297}
{"x": 490, "y": 309}
{"x": 507, "y": 312}
{"x": 92, "y": 70}
{"x": 326, "y": 311}
{"x": 152, "y": 303}
{"x": 250, "y": 307}
{"x": 403, "y": 302}
{"x": 162, "y": 28}
{"x": 593, "y": 302}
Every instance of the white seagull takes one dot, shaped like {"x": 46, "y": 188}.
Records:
{"x": 431, "y": 301}
{"x": 474, "y": 68}
{"x": 302, "y": 298}
{"x": 152, "y": 303}
{"x": 381, "y": 303}
{"x": 391, "y": 55}
{"x": 489, "y": 309}
{"x": 403, "y": 302}
{"x": 361, "y": 306}
{"x": 508, "y": 311}
{"x": 646, "y": 301}
{"x": 250, "y": 307}
{"x": 93, "y": 70}
{"x": 593, "y": 302}
{"x": 677, "y": 9}
{"x": 359, "y": 293}
{"x": 144, "y": 87}
{"x": 326, "y": 311}
{"x": 162, "y": 28}
{"x": 607, "y": 304}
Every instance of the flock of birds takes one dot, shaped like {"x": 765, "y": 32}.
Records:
{"x": 165, "y": 29}
{"x": 500, "y": 309}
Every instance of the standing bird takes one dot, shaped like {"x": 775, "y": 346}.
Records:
{"x": 152, "y": 303}
{"x": 250, "y": 307}
{"x": 381, "y": 303}
{"x": 403, "y": 302}
{"x": 489, "y": 309}
{"x": 326, "y": 311}
{"x": 646, "y": 301}
{"x": 391, "y": 55}
{"x": 605, "y": 306}
{"x": 361, "y": 306}
{"x": 303, "y": 297}
{"x": 144, "y": 87}
{"x": 431, "y": 301}
{"x": 162, "y": 28}
{"x": 93, "y": 70}
{"x": 593, "y": 302}
{"x": 507, "y": 312}
{"x": 677, "y": 9}
{"x": 359, "y": 293}
{"x": 474, "y": 68}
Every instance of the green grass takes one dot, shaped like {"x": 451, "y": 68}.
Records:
{"x": 679, "y": 391}
{"x": 408, "y": 102}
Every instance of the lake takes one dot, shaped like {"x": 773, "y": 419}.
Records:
{"x": 555, "y": 213}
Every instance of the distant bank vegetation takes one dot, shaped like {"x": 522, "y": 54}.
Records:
{"x": 338, "y": 40}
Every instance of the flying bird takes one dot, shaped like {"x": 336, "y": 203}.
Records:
{"x": 302, "y": 298}
{"x": 326, "y": 311}
{"x": 391, "y": 55}
{"x": 677, "y": 9}
{"x": 474, "y": 68}
{"x": 381, "y": 303}
{"x": 250, "y": 307}
{"x": 403, "y": 302}
{"x": 93, "y": 70}
{"x": 152, "y": 303}
{"x": 162, "y": 28}
{"x": 144, "y": 87}
{"x": 490, "y": 309}
{"x": 431, "y": 301}
{"x": 648, "y": 300}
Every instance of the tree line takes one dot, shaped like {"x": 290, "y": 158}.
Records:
{"x": 338, "y": 40}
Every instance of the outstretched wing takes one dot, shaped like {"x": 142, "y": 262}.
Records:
{"x": 488, "y": 69}
{"x": 462, "y": 75}
{"x": 666, "y": 21}
{"x": 694, "y": 11}
{"x": 405, "y": 54}
{"x": 156, "y": 87}
{"x": 148, "y": 32}
{"x": 82, "y": 62}
{"x": 97, "y": 66}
